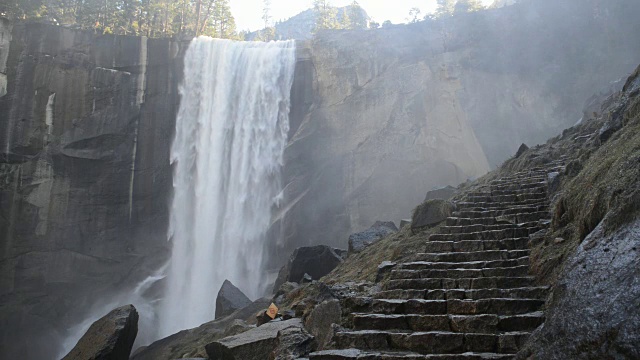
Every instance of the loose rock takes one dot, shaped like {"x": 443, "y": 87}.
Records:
{"x": 320, "y": 320}
{"x": 317, "y": 261}
{"x": 230, "y": 299}
{"x": 109, "y": 338}
{"x": 379, "y": 230}
{"x": 430, "y": 213}
{"x": 443, "y": 193}
{"x": 255, "y": 344}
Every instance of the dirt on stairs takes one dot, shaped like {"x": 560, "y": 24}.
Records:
{"x": 469, "y": 295}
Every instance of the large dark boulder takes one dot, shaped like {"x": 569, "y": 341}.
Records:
{"x": 317, "y": 261}
{"x": 109, "y": 338}
{"x": 430, "y": 213}
{"x": 443, "y": 193}
{"x": 594, "y": 312}
{"x": 320, "y": 321}
{"x": 230, "y": 299}
{"x": 379, "y": 230}
{"x": 256, "y": 344}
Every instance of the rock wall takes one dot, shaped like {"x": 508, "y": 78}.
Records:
{"x": 382, "y": 116}
{"x": 85, "y": 130}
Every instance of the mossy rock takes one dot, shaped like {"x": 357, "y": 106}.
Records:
{"x": 431, "y": 213}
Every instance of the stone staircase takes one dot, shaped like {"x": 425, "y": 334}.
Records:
{"x": 469, "y": 295}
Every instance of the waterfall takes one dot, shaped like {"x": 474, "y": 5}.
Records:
{"x": 227, "y": 155}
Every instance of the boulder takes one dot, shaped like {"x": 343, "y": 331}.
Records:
{"x": 443, "y": 193}
{"x": 521, "y": 150}
{"x": 379, "y": 230}
{"x": 404, "y": 222}
{"x": 111, "y": 337}
{"x": 255, "y": 344}
{"x": 594, "y": 310}
{"x": 192, "y": 342}
{"x": 430, "y": 213}
{"x": 230, "y": 299}
{"x": 384, "y": 269}
{"x": 320, "y": 320}
{"x": 293, "y": 343}
{"x": 317, "y": 261}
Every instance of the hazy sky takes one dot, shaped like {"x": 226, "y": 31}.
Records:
{"x": 248, "y": 13}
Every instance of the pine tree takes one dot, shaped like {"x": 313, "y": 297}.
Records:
{"x": 414, "y": 15}
{"x": 445, "y": 7}
{"x": 463, "y": 6}
{"x": 326, "y": 15}
{"x": 266, "y": 13}
{"x": 357, "y": 16}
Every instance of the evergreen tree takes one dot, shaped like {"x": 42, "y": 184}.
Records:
{"x": 154, "y": 18}
{"x": 345, "y": 21}
{"x": 326, "y": 15}
{"x": 445, "y": 7}
{"x": 357, "y": 16}
{"x": 414, "y": 15}
{"x": 266, "y": 13}
{"x": 463, "y": 6}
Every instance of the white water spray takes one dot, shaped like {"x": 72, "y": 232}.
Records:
{"x": 227, "y": 154}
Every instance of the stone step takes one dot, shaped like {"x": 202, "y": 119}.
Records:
{"x": 355, "y": 354}
{"x": 434, "y": 342}
{"x": 464, "y": 213}
{"x": 513, "y": 233}
{"x": 516, "y": 271}
{"x": 516, "y": 219}
{"x": 500, "y": 306}
{"x": 501, "y": 205}
{"x": 472, "y": 256}
{"x": 518, "y": 183}
{"x": 541, "y": 189}
{"x": 514, "y": 198}
{"x": 485, "y": 323}
{"x": 523, "y": 177}
{"x": 440, "y": 294}
{"x": 463, "y": 283}
{"x": 519, "y": 186}
{"x": 476, "y": 245}
{"x": 422, "y": 265}
{"x": 462, "y": 229}
{"x": 489, "y": 191}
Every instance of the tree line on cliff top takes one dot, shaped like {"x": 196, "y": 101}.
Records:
{"x": 153, "y": 18}
{"x": 185, "y": 18}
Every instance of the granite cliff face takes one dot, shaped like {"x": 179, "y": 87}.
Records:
{"x": 85, "y": 130}
{"x": 383, "y": 116}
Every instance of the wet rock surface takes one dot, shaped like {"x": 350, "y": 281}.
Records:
{"x": 109, "y": 338}
{"x": 443, "y": 193}
{"x": 431, "y": 213}
{"x": 377, "y": 231}
{"x": 259, "y": 343}
{"x": 315, "y": 261}
{"x": 192, "y": 342}
{"x": 86, "y": 126}
{"x": 230, "y": 299}
{"x": 595, "y": 309}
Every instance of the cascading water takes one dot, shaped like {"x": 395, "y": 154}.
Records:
{"x": 227, "y": 154}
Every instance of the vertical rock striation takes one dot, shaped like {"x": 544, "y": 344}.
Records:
{"x": 85, "y": 129}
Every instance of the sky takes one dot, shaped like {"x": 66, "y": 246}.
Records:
{"x": 248, "y": 13}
